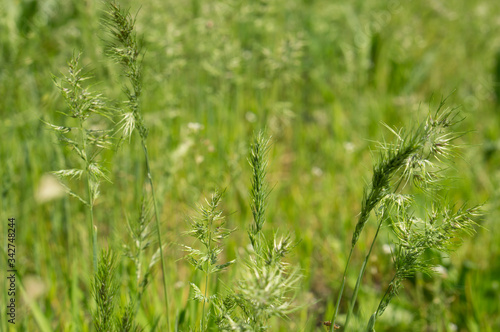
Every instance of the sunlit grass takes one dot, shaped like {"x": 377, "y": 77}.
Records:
{"x": 321, "y": 76}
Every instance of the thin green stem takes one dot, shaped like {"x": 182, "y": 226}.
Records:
{"x": 94, "y": 244}
{"x": 207, "y": 271}
{"x": 90, "y": 196}
{"x": 157, "y": 218}
{"x": 205, "y": 299}
{"x": 339, "y": 298}
{"x": 91, "y": 225}
{"x": 360, "y": 276}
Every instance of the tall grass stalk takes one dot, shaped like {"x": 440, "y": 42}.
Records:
{"x": 391, "y": 160}
{"x": 267, "y": 281}
{"x": 88, "y": 108}
{"x": 415, "y": 159}
{"x": 124, "y": 48}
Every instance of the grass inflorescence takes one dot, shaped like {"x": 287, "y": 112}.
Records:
{"x": 86, "y": 110}
{"x": 124, "y": 49}
{"x": 209, "y": 230}
{"x": 418, "y": 158}
{"x": 265, "y": 284}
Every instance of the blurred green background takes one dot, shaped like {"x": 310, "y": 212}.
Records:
{"x": 320, "y": 76}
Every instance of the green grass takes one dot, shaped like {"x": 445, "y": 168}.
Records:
{"x": 321, "y": 76}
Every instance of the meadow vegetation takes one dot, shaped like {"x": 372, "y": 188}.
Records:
{"x": 223, "y": 163}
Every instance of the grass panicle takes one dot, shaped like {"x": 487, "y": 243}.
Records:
{"x": 209, "y": 230}
{"x": 104, "y": 292}
{"x": 86, "y": 110}
{"x": 259, "y": 190}
{"x": 125, "y": 321}
{"x": 417, "y": 157}
{"x": 265, "y": 291}
{"x": 142, "y": 235}
{"x": 124, "y": 48}
{"x": 443, "y": 230}
{"x": 267, "y": 284}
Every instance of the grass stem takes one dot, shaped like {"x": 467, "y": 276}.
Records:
{"x": 360, "y": 276}
{"x": 158, "y": 232}
{"x": 339, "y": 298}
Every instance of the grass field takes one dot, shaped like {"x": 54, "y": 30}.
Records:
{"x": 320, "y": 77}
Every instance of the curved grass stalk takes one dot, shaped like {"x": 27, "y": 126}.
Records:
{"x": 410, "y": 156}
{"x": 124, "y": 49}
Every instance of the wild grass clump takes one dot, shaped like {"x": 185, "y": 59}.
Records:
{"x": 266, "y": 284}
{"x": 89, "y": 109}
{"x": 417, "y": 158}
